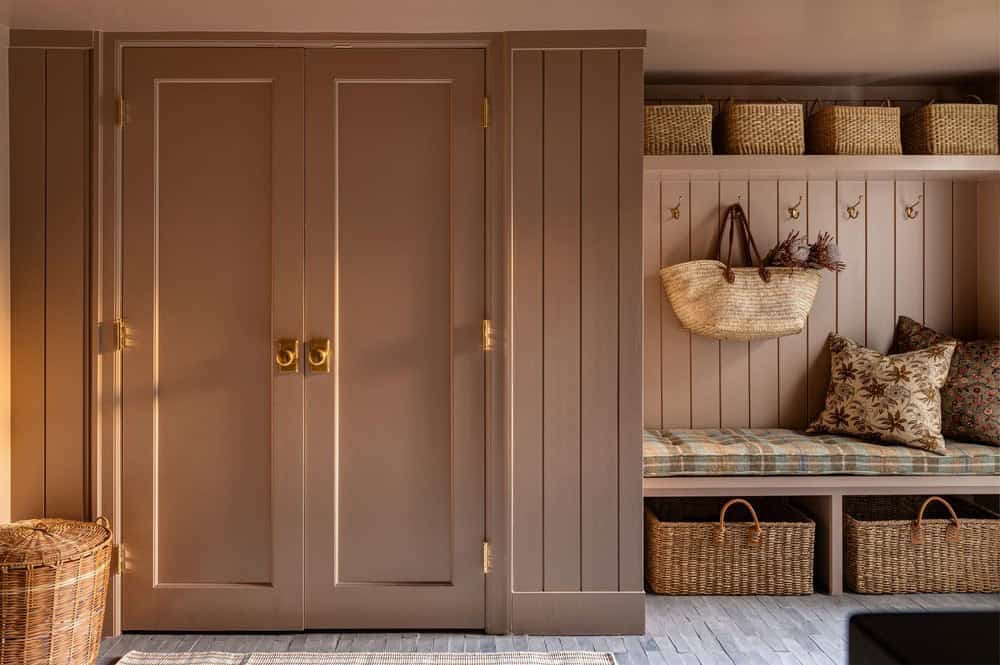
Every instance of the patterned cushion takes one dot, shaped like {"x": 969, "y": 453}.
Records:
{"x": 777, "y": 452}
{"x": 892, "y": 399}
{"x": 970, "y": 398}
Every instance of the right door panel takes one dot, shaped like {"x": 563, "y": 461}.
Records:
{"x": 395, "y": 278}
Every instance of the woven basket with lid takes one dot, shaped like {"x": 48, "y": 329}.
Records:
{"x": 53, "y": 584}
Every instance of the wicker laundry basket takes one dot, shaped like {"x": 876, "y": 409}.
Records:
{"x": 855, "y": 130}
{"x": 762, "y": 129}
{"x": 920, "y": 545}
{"x": 53, "y": 584}
{"x": 691, "y": 549}
{"x": 951, "y": 129}
{"x": 714, "y": 299}
{"x": 678, "y": 129}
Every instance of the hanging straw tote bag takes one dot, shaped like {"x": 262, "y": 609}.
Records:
{"x": 715, "y": 299}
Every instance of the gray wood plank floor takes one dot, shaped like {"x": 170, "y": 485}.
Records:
{"x": 696, "y": 630}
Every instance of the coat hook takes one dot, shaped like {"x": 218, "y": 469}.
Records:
{"x": 853, "y": 211}
{"x": 675, "y": 211}
{"x": 793, "y": 211}
{"x": 911, "y": 210}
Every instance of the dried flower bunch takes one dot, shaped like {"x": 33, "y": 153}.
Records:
{"x": 796, "y": 252}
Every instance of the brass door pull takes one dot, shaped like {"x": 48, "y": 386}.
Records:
{"x": 319, "y": 355}
{"x": 286, "y": 356}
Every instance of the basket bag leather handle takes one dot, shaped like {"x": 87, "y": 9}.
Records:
{"x": 736, "y": 215}
{"x": 755, "y": 535}
{"x": 952, "y": 534}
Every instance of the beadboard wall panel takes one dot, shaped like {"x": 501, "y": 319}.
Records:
{"x": 50, "y": 204}
{"x": 578, "y": 244}
{"x": 923, "y": 265}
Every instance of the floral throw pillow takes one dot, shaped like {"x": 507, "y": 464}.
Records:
{"x": 892, "y": 399}
{"x": 970, "y": 398}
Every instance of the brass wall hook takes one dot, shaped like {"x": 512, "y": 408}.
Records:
{"x": 793, "y": 211}
{"x": 675, "y": 212}
{"x": 911, "y": 211}
{"x": 854, "y": 210}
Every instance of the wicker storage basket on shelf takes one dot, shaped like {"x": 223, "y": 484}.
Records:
{"x": 714, "y": 299}
{"x": 692, "y": 549}
{"x": 53, "y": 584}
{"x": 920, "y": 545}
{"x": 678, "y": 129}
{"x": 854, "y": 130}
{"x": 762, "y": 129}
{"x": 951, "y": 129}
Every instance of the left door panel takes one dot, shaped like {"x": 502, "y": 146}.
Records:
{"x": 212, "y": 255}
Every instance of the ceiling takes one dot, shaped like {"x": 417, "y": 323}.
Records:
{"x": 745, "y": 41}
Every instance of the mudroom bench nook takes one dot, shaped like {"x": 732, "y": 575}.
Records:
{"x": 816, "y": 472}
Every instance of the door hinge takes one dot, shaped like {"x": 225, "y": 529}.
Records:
{"x": 120, "y": 111}
{"x": 489, "y": 335}
{"x": 118, "y": 559}
{"x": 487, "y": 558}
{"x": 123, "y": 339}
{"x": 486, "y": 112}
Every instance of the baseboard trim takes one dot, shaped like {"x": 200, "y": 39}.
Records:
{"x": 579, "y": 613}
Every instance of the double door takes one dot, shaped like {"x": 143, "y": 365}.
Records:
{"x": 278, "y": 203}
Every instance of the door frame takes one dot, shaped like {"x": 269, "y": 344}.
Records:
{"x": 106, "y": 284}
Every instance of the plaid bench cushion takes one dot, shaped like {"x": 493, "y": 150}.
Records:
{"x": 783, "y": 452}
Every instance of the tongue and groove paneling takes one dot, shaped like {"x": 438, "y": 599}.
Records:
{"x": 924, "y": 267}
{"x": 576, "y": 176}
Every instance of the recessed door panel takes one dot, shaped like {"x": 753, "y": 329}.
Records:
{"x": 212, "y": 261}
{"x": 394, "y": 298}
{"x": 394, "y": 264}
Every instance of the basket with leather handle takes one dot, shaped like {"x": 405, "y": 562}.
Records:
{"x": 716, "y": 299}
{"x": 691, "y": 548}
{"x": 906, "y": 544}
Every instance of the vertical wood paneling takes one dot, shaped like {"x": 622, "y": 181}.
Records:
{"x": 792, "y": 350}
{"x": 705, "y": 397}
{"x": 910, "y": 251}
{"x": 66, "y": 231}
{"x": 881, "y": 264}
{"x": 674, "y": 371}
{"x": 966, "y": 260}
{"x": 654, "y": 305}
{"x": 989, "y": 259}
{"x": 526, "y": 321}
{"x": 561, "y": 332}
{"x": 763, "y": 389}
{"x": 599, "y": 320}
{"x": 823, "y": 318}
{"x": 27, "y": 212}
{"x": 630, "y": 525}
{"x": 734, "y": 357}
{"x": 938, "y": 254}
{"x": 851, "y": 238}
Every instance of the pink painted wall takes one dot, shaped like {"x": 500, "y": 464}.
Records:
{"x": 856, "y": 39}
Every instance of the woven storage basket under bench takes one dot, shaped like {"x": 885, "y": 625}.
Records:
{"x": 707, "y": 546}
{"x": 907, "y": 544}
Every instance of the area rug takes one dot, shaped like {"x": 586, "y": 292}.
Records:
{"x": 349, "y": 658}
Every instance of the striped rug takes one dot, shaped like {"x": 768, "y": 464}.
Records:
{"x": 347, "y": 658}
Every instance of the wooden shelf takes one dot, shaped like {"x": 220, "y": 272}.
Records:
{"x": 876, "y": 167}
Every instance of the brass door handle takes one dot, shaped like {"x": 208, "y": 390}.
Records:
{"x": 286, "y": 356}
{"x": 319, "y": 355}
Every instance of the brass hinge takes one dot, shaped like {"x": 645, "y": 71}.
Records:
{"x": 489, "y": 335}
{"x": 486, "y": 112}
{"x": 487, "y": 558}
{"x": 123, "y": 339}
{"x": 120, "y": 111}
{"x": 118, "y": 559}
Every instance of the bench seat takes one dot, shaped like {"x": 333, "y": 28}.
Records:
{"x": 783, "y": 452}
